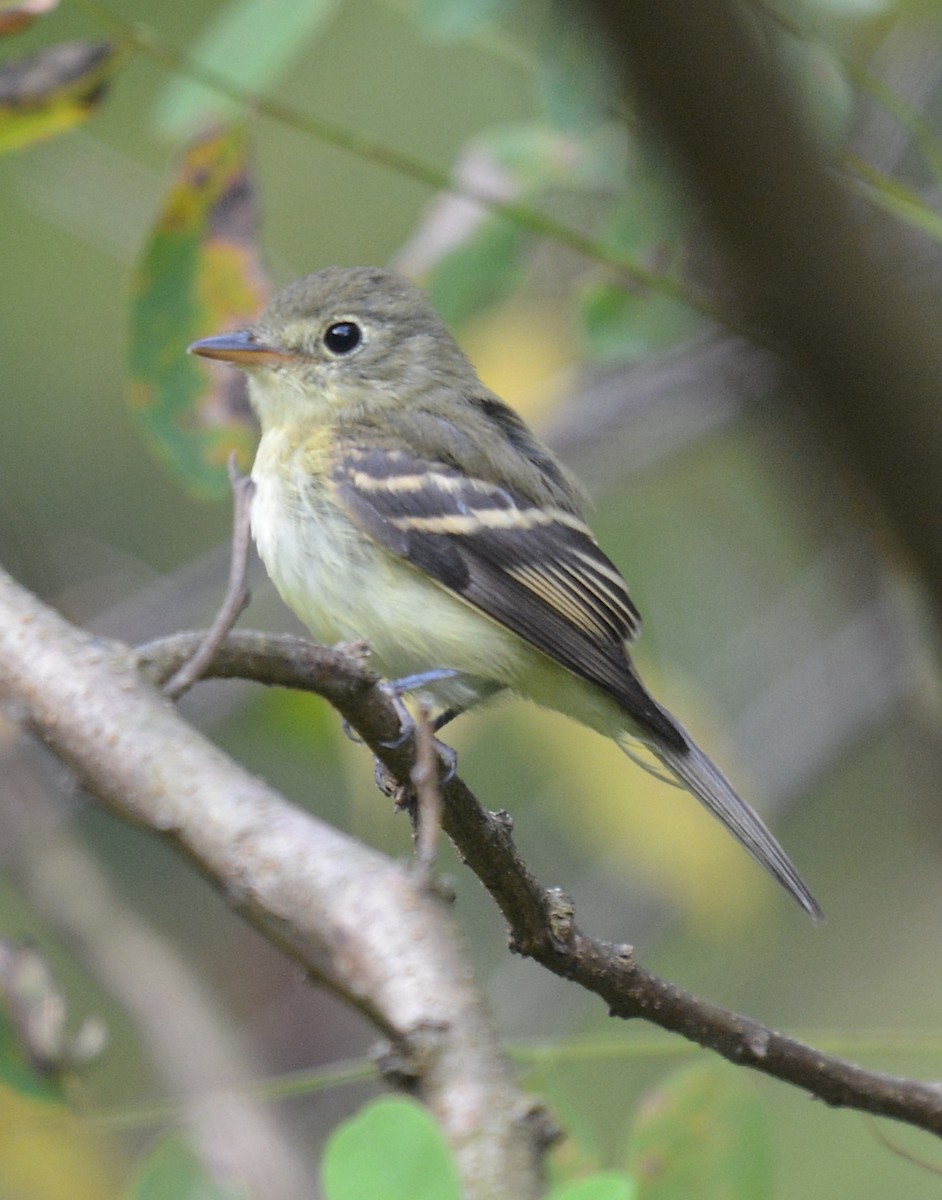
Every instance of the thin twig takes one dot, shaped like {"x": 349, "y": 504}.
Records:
{"x": 237, "y": 595}
{"x": 894, "y": 1147}
{"x": 428, "y": 796}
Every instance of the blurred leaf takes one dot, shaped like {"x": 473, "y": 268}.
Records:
{"x": 391, "y": 1150}
{"x": 173, "y": 1172}
{"x": 538, "y": 155}
{"x": 251, "y": 41}
{"x": 648, "y": 212}
{"x": 624, "y": 326}
{"x": 449, "y": 20}
{"x": 47, "y": 1153}
{"x": 702, "y": 1133}
{"x": 479, "y": 272}
{"x": 471, "y": 259}
{"x": 610, "y": 1185}
{"x": 53, "y": 91}
{"x": 508, "y": 163}
{"x": 820, "y": 81}
{"x": 200, "y": 274}
{"x": 573, "y": 79}
{"x": 17, "y": 1072}
{"x": 20, "y": 14}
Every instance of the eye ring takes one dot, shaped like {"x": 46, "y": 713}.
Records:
{"x": 343, "y": 337}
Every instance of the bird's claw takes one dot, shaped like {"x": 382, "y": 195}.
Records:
{"x": 386, "y": 782}
{"x": 450, "y": 755}
{"x": 447, "y": 753}
{"x": 406, "y": 720}
{"x": 395, "y": 689}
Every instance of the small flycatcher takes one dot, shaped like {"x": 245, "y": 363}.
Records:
{"x": 400, "y": 501}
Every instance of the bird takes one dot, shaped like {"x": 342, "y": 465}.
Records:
{"x": 398, "y": 500}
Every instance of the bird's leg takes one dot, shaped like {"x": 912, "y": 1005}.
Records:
{"x": 395, "y": 689}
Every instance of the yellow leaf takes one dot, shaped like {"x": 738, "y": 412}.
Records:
{"x": 201, "y": 273}
{"x": 54, "y": 90}
{"x": 47, "y": 1153}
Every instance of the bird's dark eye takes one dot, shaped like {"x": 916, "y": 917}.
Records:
{"x": 342, "y": 337}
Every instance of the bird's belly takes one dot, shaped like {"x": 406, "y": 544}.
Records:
{"x": 346, "y": 588}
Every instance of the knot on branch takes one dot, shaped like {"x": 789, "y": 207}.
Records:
{"x": 405, "y": 1063}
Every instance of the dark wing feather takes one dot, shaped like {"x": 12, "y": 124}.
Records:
{"x": 536, "y": 571}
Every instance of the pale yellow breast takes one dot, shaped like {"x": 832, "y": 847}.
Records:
{"x": 345, "y": 587}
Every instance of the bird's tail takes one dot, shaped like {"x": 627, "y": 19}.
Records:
{"x": 707, "y": 782}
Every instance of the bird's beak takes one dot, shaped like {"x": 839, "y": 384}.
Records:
{"x": 241, "y": 347}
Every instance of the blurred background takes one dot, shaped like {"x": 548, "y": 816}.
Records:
{"x": 782, "y": 622}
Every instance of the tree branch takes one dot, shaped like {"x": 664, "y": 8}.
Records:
{"x": 832, "y": 289}
{"x": 205, "y": 1066}
{"x": 541, "y": 920}
{"x": 358, "y": 922}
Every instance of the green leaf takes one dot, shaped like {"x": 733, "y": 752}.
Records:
{"x": 16, "y": 15}
{"x": 479, "y": 272}
{"x": 649, "y": 212}
{"x": 450, "y": 20}
{"x": 538, "y": 156}
{"x": 471, "y": 258}
{"x": 703, "y": 1133}
{"x": 173, "y": 1172}
{"x": 574, "y": 81}
{"x": 53, "y": 91}
{"x": 251, "y": 42}
{"x": 625, "y": 326}
{"x": 608, "y": 1185}
{"x": 200, "y": 274}
{"x": 391, "y": 1150}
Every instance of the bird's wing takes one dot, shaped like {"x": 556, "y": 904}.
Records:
{"x": 538, "y": 571}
